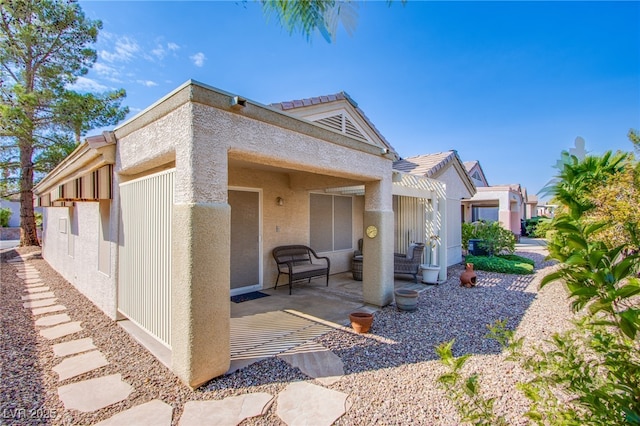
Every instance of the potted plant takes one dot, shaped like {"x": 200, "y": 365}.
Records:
{"x": 430, "y": 271}
{"x": 406, "y": 299}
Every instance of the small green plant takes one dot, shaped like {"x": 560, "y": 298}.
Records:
{"x": 5, "y": 214}
{"x": 500, "y": 264}
{"x": 472, "y": 406}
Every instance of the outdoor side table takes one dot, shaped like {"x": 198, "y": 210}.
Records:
{"x": 356, "y": 268}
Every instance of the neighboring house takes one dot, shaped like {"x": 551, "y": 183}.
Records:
{"x": 507, "y": 204}
{"x": 12, "y": 232}
{"x": 446, "y": 167}
{"x": 14, "y": 206}
{"x": 162, "y": 219}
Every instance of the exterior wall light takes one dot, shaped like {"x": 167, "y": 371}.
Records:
{"x": 280, "y": 201}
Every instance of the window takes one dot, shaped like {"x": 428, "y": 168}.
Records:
{"x": 489, "y": 214}
{"x": 331, "y": 222}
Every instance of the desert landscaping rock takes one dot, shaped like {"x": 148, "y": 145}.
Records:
{"x": 80, "y": 364}
{"x": 39, "y": 303}
{"x": 152, "y": 413}
{"x": 50, "y": 320}
{"x": 48, "y": 309}
{"x": 94, "y": 394}
{"x": 73, "y": 347}
{"x": 229, "y": 411}
{"x": 61, "y": 330}
{"x": 390, "y": 374}
{"x": 321, "y": 406}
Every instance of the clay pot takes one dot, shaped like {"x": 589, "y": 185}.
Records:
{"x": 406, "y": 300}
{"x": 361, "y": 321}
{"x": 468, "y": 277}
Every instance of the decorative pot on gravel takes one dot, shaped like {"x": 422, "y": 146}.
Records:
{"x": 468, "y": 277}
{"x": 361, "y": 321}
{"x": 430, "y": 273}
{"x": 406, "y": 300}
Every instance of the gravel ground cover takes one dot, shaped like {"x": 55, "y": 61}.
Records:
{"x": 390, "y": 374}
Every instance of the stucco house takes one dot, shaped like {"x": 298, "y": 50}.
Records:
{"x": 507, "y": 204}
{"x": 163, "y": 218}
{"x": 446, "y": 167}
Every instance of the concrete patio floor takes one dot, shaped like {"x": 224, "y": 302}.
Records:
{"x": 333, "y": 303}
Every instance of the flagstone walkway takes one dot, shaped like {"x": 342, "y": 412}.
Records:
{"x": 298, "y": 403}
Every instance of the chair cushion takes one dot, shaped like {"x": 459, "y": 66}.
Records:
{"x": 410, "y": 250}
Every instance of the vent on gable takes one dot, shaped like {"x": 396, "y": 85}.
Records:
{"x": 334, "y": 122}
{"x": 342, "y": 124}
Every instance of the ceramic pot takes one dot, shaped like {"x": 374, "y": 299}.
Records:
{"x": 406, "y": 300}
{"x": 468, "y": 277}
{"x": 430, "y": 273}
{"x": 361, "y": 321}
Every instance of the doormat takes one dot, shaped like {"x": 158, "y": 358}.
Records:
{"x": 248, "y": 296}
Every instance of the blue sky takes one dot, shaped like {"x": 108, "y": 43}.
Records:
{"x": 510, "y": 84}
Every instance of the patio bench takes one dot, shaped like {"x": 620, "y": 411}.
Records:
{"x": 300, "y": 262}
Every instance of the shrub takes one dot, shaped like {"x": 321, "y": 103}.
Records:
{"x": 494, "y": 238}
{"x": 500, "y": 264}
{"x": 5, "y": 214}
{"x": 516, "y": 258}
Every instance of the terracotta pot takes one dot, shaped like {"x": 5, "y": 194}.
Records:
{"x": 361, "y": 321}
{"x": 406, "y": 300}
{"x": 468, "y": 277}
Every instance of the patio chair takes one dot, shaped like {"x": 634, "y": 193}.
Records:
{"x": 409, "y": 263}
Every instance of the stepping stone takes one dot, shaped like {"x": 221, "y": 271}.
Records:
{"x": 48, "y": 309}
{"x": 53, "y": 320}
{"x": 229, "y": 411}
{"x": 61, "y": 330}
{"x": 39, "y": 303}
{"x": 38, "y": 289}
{"x": 29, "y": 276}
{"x": 73, "y": 347}
{"x": 94, "y": 394}
{"x": 152, "y": 413}
{"x": 32, "y": 281}
{"x": 302, "y": 403}
{"x": 315, "y": 361}
{"x": 80, "y": 364}
{"x": 36, "y": 296}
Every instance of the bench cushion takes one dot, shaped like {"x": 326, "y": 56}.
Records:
{"x": 303, "y": 268}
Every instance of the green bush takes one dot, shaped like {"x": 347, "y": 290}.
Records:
{"x": 5, "y": 214}
{"x": 516, "y": 258}
{"x": 494, "y": 238}
{"x": 500, "y": 264}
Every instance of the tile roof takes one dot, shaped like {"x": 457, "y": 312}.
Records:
{"x": 426, "y": 164}
{"x": 430, "y": 165}
{"x": 470, "y": 165}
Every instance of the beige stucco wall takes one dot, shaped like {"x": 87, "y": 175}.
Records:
{"x": 77, "y": 261}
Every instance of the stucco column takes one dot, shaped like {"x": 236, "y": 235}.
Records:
{"x": 377, "y": 265}
{"x": 200, "y": 311}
